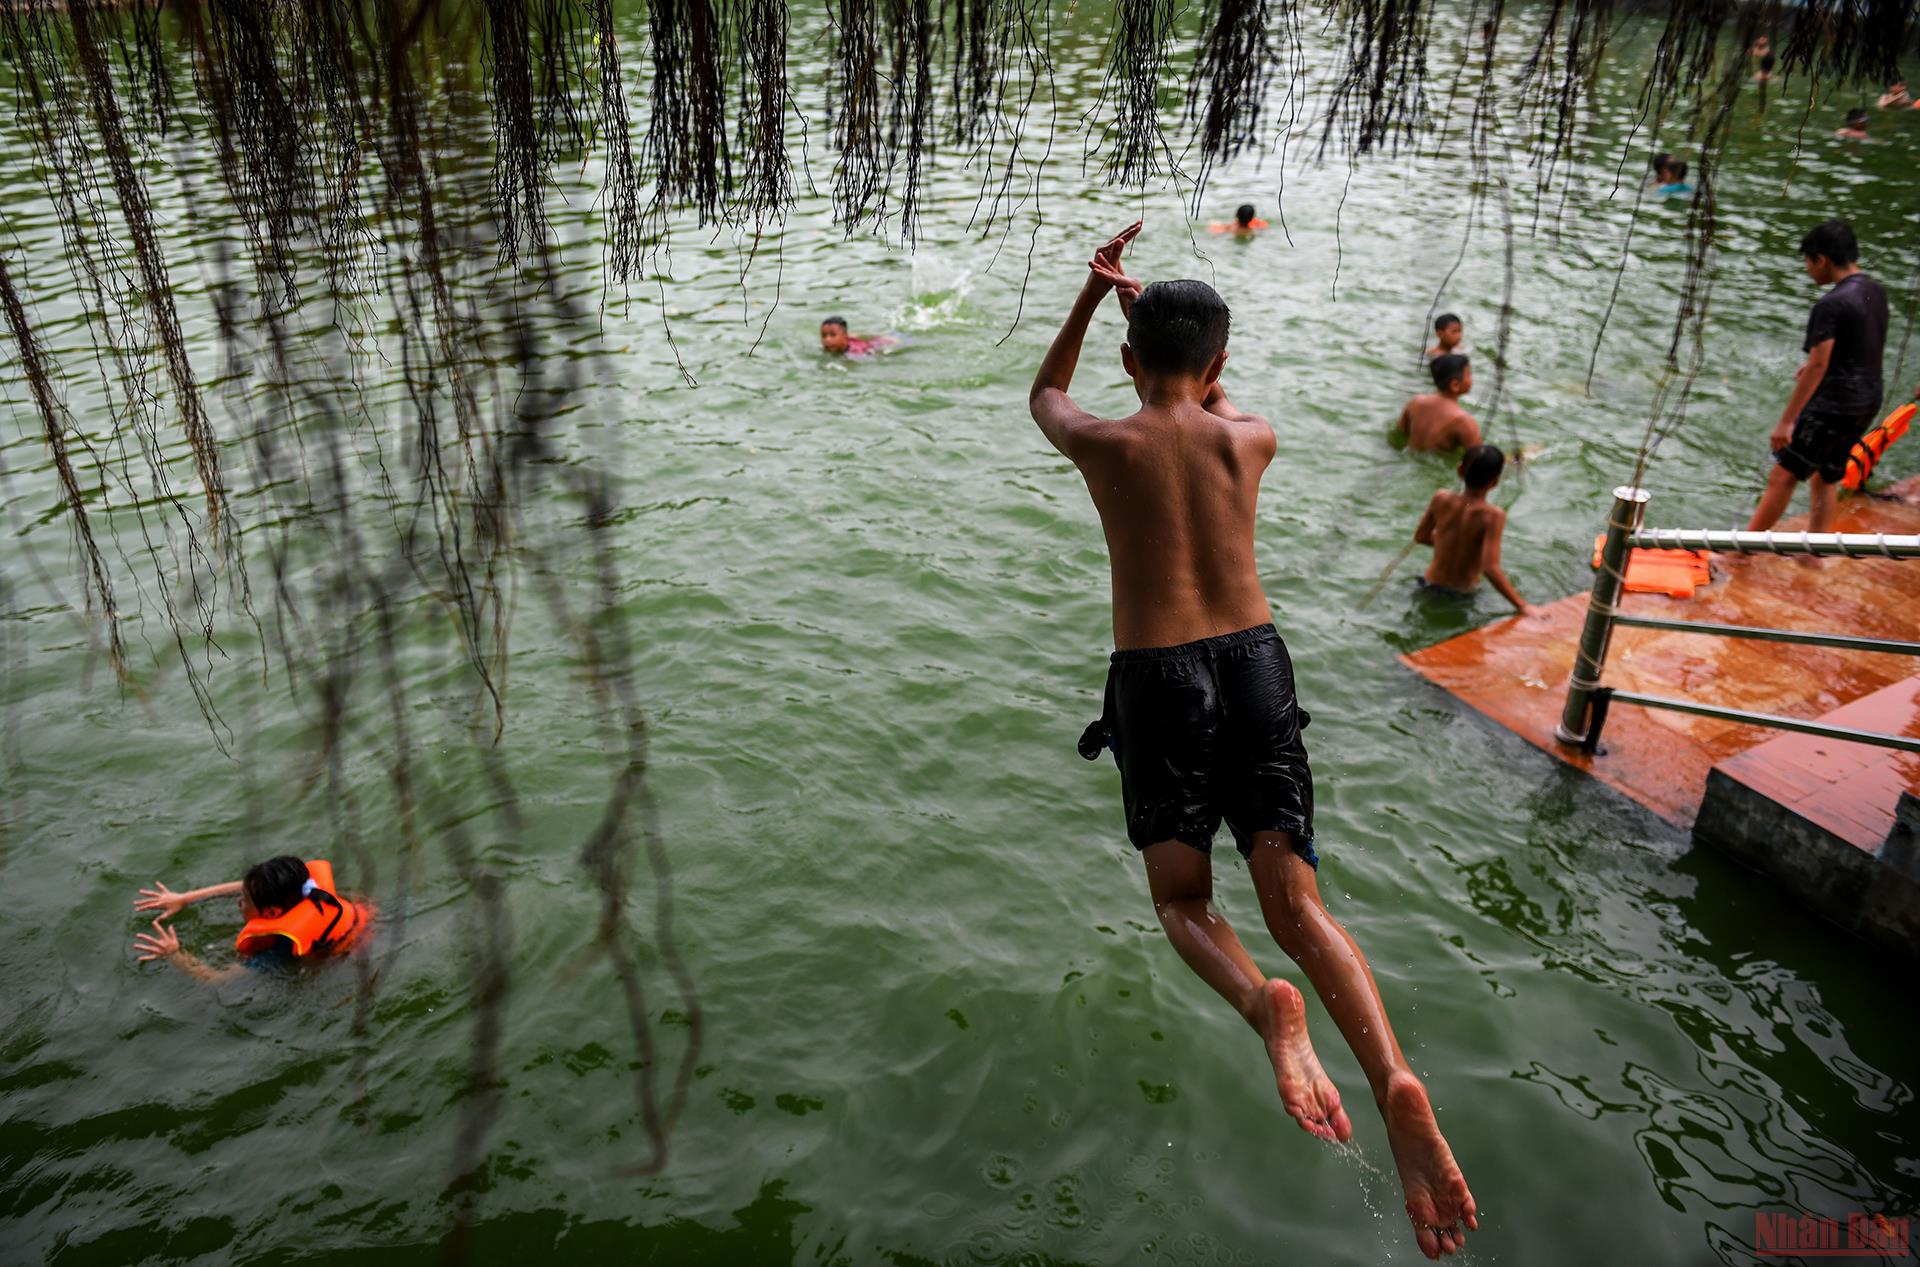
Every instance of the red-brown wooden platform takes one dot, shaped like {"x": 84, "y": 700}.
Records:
{"x": 1842, "y": 794}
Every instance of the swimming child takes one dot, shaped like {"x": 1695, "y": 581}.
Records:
{"x": 1896, "y": 97}
{"x": 1446, "y": 333}
{"x": 1201, "y": 714}
{"x": 1245, "y": 223}
{"x": 1464, "y": 530}
{"x": 1435, "y": 419}
{"x": 835, "y": 340}
{"x": 1658, "y": 164}
{"x": 1676, "y": 180}
{"x": 1856, "y": 126}
{"x": 291, "y": 912}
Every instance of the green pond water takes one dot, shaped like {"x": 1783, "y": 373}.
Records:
{"x": 869, "y": 607}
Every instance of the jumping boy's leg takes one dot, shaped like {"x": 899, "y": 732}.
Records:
{"x": 1180, "y": 878}
{"x": 1437, "y": 1196}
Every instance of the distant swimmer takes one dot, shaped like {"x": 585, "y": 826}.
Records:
{"x": 1837, "y": 389}
{"x": 1201, "y": 716}
{"x": 1855, "y": 128}
{"x": 1676, "y": 181}
{"x": 1465, "y": 528}
{"x": 1435, "y": 420}
{"x": 835, "y": 341}
{"x": 1244, "y": 224}
{"x": 1447, "y": 332}
{"x": 290, "y": 912}
{"x": 1896, "y": 97}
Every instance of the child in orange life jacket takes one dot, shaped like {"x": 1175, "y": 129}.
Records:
{"x": 1244, "y": 224}
{"x": 291, "y": 912}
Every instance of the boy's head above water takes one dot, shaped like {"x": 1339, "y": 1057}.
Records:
{"x": 1243, "y": 216}
{"x": 1480, "y": 467}
{"x": 1176, "y": 330}
{"x": 1452, "y": 374}
{"x": 1447, "y": 331}
{"x": 1856, "y": 120}
{"x": 833, "y": 335}
{"x": 273, "y": 887}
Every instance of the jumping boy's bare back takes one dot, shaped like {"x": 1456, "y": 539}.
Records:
{"x": 1201, "y": 715}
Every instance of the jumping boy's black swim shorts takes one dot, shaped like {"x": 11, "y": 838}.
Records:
{"x": 1204, "y": 731}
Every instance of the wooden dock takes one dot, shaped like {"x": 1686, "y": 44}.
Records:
{"x": 1824, "y": 816}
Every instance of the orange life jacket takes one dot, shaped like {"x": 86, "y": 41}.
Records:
{"x": 1868, "y": 448}
{"x": 320, "y": 923}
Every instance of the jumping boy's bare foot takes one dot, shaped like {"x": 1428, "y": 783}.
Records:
{"x": 1305, "y": 1090}
{"x": 1437, "y": 1197}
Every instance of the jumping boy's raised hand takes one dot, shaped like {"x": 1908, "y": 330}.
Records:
{"x": 1105, "y": 265}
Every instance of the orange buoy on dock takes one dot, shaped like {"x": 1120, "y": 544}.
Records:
{"x": 1675, "y": 573}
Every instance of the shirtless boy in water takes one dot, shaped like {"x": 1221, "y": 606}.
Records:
{"x": 1201, "y": 715}
{"x": 1435, "y": 420}
{"x": 1464, "y": 530}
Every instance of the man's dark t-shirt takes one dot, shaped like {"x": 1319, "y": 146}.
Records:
{"x": 1854, "y": 315}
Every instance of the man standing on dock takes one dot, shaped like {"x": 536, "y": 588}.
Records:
{"x": 1837, "y": 390}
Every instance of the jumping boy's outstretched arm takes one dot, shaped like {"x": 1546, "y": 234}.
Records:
{"x": 1490, "y": 561}
{"x": 1048, "y": 401}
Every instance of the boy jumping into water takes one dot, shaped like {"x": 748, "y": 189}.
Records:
{"x": 1435, "y": 420}
{"x": 1464, "y": 530}
{"x": 1201, "y": 715}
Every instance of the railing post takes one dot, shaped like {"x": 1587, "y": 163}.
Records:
{"x": 1629, "y": 505}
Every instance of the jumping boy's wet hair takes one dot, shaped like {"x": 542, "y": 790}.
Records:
{"x": 1444, "y": 320}
{"x": 1676, "y": 172}
{"x": 1178, "y": 327}
{"x": 835, "y": 321}
{"x": 274, "y": 885}
{"x": 1481, "y": 465}
{"x": 1834, "y": 239}
{"x": 1447, "y": 368}
{"x": 1856, "y": 118}
{"x": 1245, "y": 213}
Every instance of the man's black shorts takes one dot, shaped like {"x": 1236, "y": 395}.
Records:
{"x": 1204, "y": 731}
{"x": 1821, "y": 443}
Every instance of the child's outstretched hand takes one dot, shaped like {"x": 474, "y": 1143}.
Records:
{"x": 160, "y": 898}
{"x": 161, "y": 943}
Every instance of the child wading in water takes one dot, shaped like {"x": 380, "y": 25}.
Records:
{"x": 1435, "y": 419}
{"x": 1464, "y": 530}
{"x": 1201, "y": 715}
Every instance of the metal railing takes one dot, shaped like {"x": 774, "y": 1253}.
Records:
{"x": 1588, "y": 700}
